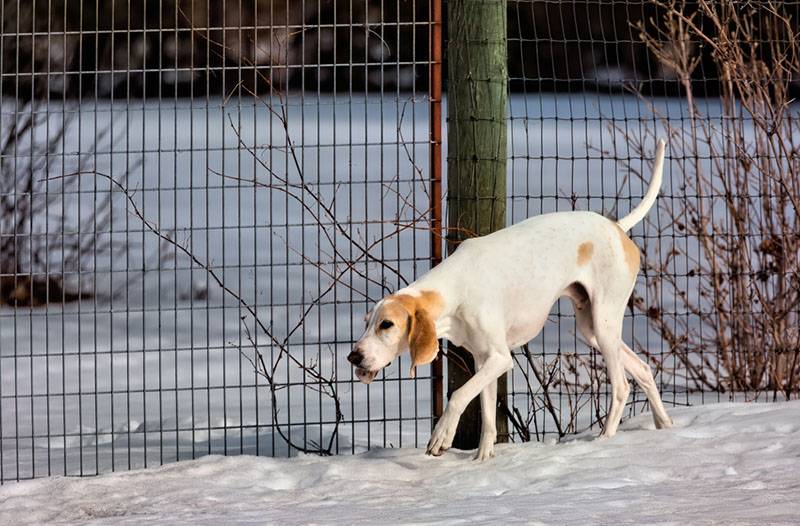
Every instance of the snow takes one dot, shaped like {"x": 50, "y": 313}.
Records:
{"x": 731, "y": 463}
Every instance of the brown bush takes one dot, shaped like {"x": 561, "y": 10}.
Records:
{"x": 723, "y": 278}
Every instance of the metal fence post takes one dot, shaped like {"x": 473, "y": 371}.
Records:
{"x": 435, "y": 92}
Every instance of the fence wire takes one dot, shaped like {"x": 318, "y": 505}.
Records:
{"x": 153, "y": 148}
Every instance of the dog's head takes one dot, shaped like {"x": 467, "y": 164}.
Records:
{"x": 397, "y": 323}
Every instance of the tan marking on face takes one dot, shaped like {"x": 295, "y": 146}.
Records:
{"x": 395, "y": 313}
{"x": 585, "y": 252}
{"x": 420, "y": 312}
{"x": 632, "y": 254}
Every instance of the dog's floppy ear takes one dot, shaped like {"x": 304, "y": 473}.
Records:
{"x": 422, "y": 340}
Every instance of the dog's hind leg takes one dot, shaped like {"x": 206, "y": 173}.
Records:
{"x": 608, "y": 331}
{"x": 631, "y": 363}
{"x": 606, "y": 338}
{"x": 641, "y": 372}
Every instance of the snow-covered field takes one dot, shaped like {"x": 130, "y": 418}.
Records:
{"x": 725, "y": 464}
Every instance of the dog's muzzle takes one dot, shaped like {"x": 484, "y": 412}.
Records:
{"x": 364, "y": 375}
{"x": 356, "y": 357}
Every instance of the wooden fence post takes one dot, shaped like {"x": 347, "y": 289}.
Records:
{"x": 476, "y": 158}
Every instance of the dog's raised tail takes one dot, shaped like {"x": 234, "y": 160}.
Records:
{"x": 638, "y": 213}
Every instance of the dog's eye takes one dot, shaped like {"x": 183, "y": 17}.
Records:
{"x": 385, "y": 324}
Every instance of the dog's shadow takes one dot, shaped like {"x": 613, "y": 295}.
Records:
{"x": 642, "y": 422}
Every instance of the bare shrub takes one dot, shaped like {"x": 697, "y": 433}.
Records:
{"x": 41, "y": 240}
{"x": 723, "y": 278}
{"x": 344, "y": 254}
{"x": 558, "y": 390}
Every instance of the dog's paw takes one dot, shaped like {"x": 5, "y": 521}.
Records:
{"x": 485, "y": 452}
{"x": 664, "y": 424}
{"x": 442, "y": 436}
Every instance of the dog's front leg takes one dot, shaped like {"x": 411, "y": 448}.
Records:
{"x": 488, "y": 422}
{"x": 442, "y": 437}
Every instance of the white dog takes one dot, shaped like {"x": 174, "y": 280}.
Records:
{"x": 495, "y": 293}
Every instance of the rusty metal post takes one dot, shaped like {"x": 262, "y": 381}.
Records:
{"x": 435, "y": 93}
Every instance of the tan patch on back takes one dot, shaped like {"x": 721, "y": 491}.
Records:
{"x": 585, "y": 252}
{"x": 632, "y": 254}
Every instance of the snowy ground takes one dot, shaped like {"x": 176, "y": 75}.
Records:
{"x": 721, "y": 464}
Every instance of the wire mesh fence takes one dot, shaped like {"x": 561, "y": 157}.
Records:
{"x": 201, "y": 198}
{"x": 153, "y": 151}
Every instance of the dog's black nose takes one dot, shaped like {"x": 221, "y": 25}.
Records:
{"x": 355, "y": 358}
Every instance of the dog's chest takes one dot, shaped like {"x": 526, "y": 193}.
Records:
{"x": 525, "y": 328}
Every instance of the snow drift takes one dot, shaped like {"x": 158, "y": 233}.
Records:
{"x": 722, "y": 463}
